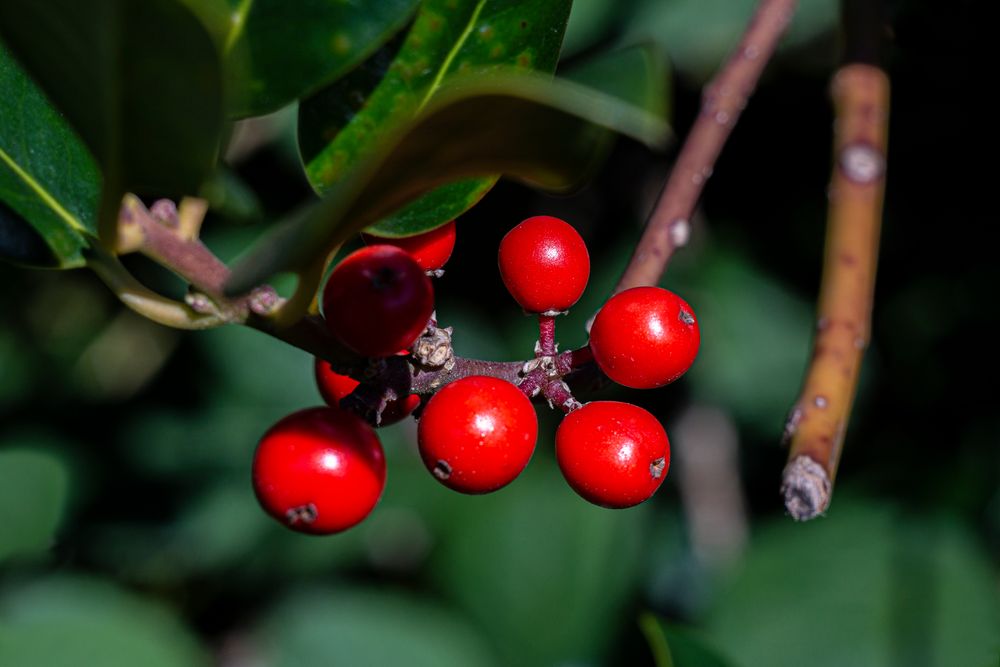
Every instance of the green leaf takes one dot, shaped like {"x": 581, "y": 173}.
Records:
{"x": 139, "y": 81}
{"x": 294, "y": 48}
{"x": 230, "y": 197}
{"x": 339, "y": 126}
{"x": 637, "y": 75}
{"x": 867, "y": 585}
{"x": 66, "y": 622}
{"x": 674, "y": 646}
{"x": 47, "y": 178}
{"x": 699, "y": 34}
{"x": 542, "y": 132}
{"x": 547, "y": 574}
{"x": 33, "y": 489}
{"x": 435, "y": 208}
{"x": 592, "y": 21}
{"x": 369, "y": 629}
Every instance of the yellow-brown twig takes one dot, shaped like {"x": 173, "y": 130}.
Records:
{"x": 819, "y": 419}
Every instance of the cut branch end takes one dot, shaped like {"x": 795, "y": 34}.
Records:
{"x": 806, "y": 488}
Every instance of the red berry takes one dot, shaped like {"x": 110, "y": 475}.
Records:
{"x": 319, "y": 470}
{"x": 544, "y": 264}
{"x": 378, "y": 300}
{"x": 431, "y": 249}
{"x": 613, "y": 454}
{"x": 477, "y": 434}
{"x": 645, "y": 337}
{"x": 334, "y": 387}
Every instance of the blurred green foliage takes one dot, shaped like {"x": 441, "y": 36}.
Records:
{"x": 35, "y": 480}
{"x": 129, "y": 533}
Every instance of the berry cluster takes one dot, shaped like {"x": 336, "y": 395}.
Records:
{"x": 322, "y": 470}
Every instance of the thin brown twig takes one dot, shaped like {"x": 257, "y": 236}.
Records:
{"x": 819, "y": 419}
{"x": 157, "y": 234}
{"x": 723, "y": 100}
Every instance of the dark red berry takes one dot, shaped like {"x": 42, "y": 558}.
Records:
{"x": 477, "y": 434}
{"x": 432, "y": 249}
{"x": 378, "y": 300}
{"x": 319, "y": 470}
{"x": 544, "y": 264}
{"x": 645, "y": 337}
{"x": 613, "y": 454}
{"x": 334, "y": 387}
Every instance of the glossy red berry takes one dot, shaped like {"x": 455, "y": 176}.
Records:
{"x": 378, "y": 300}
{"x": 432, "y": 249}
{"x": 645, "y": 337}
{"x": 319, "y": 470}
{"x": 613, "y": 454}
{"x": 477, "y": 434}
{"x": 333, "y": 387}
{"x": 544, "y": 264}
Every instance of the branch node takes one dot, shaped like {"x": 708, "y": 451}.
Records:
{"x": 264, "y": 300}
{"x": 862, "y": 163}
{"x": 433, "y": 349}
{"x": 791, "y": 425}
{"x": 680, "y": 232}
{"x": 164, "y": 211}
{"x": 200, "y": 303}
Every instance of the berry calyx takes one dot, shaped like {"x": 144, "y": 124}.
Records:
{"x": 477, "y": 434}
{"x": 431, "y": 250}
{"x": 645, "y": 337}
{"x": 334, "y": 387}
{"x": 378, "y": 300}
{"x": 319, "y": 470}
{"x": 545, "y": 264}
{"x": 612, "y": 454}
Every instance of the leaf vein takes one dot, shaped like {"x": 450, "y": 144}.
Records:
{"x": 42, "y": 193}
{"x": 436, "y": 83}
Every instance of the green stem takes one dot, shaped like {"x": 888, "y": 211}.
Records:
{"x": 144, "y": 301}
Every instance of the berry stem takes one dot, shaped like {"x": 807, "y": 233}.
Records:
{"x": 189, "y": 258}
{"x": 560, "y": 396}
{"x": 816, "y": 427}
{"x": 722, "y": 101}
{"x": 546, "y": 336}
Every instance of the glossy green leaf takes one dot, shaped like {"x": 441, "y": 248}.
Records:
{"x": 49, "y": 183}
{"x": 33, "y": 488}
{"x": 68, "y": 622}
{"x": 139, "y": 81}
{"x": 637, "y": 75}
{"x": 369, "y": 629}
{"x": 546, "y": 133}
{"x": 590, "y": 22}
{"x": 293, "y": 48}
{"x": 339, "y": 126}
{"x": 867, "y": 585}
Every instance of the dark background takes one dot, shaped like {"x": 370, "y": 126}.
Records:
{"x": 141, "y": 438}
